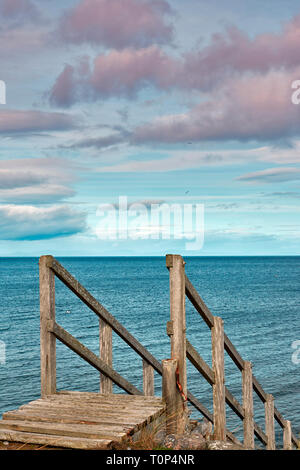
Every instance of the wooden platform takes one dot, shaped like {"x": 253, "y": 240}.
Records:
{"x": 80, "y": 420}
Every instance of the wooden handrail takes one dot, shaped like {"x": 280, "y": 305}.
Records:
{"x": 204, "y": 369}
{"x": 66, "y": 338}
{"x": 102, "y": 313}
{"x": 196, "y": 359}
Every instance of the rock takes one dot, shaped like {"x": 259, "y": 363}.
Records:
{"x": 221, "y": 445}
{"x": 185, "y": 442}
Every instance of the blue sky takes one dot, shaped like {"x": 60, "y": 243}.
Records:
{"x": 159, "y": 101}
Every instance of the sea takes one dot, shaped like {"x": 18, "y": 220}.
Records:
{"x": 257, "y": 297}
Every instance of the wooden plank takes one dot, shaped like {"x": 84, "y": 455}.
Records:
{"x": 175, "y": 264}
{"x": 99, "y": 425}
{"x": 248, "y": 405}
{"x": 47, "y": 339}
{"x": 110, "y": 415}
{"x": 287, "y": 436}
{"x": 69, "y": 418}
{"x": 102, "y": 313}
{"x": 123, "y": 400}
{"x": 217, "y": 334}
{"x": 270, "y": 430}
{"x": 170, "y": 395}
{"x": 70, "y": 430}
{"x": 53, "y": 440}
{"x": 106, "y": 384}
{"x": 95, "y": 407}
{"x": 198, "y": 303}
{"x": 72, "y": 343}
{"x": 114, "y": 397}
{"x": 148, "y": 379}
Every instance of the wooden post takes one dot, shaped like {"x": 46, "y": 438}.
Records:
{"x": 287, "y": 436}
{"x": 217, "y": 333}
{"x": 106, "y": 385}
{"x": 148, "y": 379}
{"x": 175, "y": 264}
{"x": 170, "y": 395}
{"x": 47, "y": 339}
{"x": 248, "y": 405}
{"x": 270, "y": 430}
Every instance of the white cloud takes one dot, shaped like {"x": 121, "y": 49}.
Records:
{"x": 35, "y": 223}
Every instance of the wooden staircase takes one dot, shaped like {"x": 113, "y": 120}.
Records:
{"x": 81, "y": 420}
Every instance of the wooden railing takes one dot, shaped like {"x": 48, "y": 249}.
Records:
{"x": 50, "y": 331}
{"x": 215, "y": 376}
{"x": 173, "y": 371}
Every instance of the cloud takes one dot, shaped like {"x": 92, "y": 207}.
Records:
{"x": 272, "y": 175}
{"x": 14, "y": 121}
{"x": 256, "y": 107}
{"x": 118, "y": 23}
{"x": 34, "y": 223}
{"x": 116, "y": 73}
{"x": 40, "y": 180}
{"x": 100, "y": 142}
{"x": 227, "y": 57}
{"x": 234, "y": 52}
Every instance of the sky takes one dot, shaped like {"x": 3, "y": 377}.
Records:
{"x": 162, "y": 104}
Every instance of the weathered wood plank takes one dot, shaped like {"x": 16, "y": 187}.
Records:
{"x": 217, "y": 334}
{"x": 148, "y": 379}
{"x": 47, "y": 339}
{"x": 270, "y": 430}
{"x": 99, "y": 426}
{"x": 248, "y": 405}
{"x": 115, "y": 397}
{"x": 170, "y": 395}
{"x": 72, "y": 343}
{"x": 175, "y": 265}
{"x": 80, "y": 415}
{"x": 54, "y": 440}
{"x": 69, "y": 418}
{"x": 106, "y": 384}
{"x": 70, "y": 430}
{"x": 102, "y": 313}
{"x": 287, "y": 436}
{"x": 96, "y": 408}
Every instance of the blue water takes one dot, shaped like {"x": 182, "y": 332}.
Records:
{"x": 257, "y": 297}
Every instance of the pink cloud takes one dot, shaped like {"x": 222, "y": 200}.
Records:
{"x": 117, "y": 23}
{"x": 117, "y": 73}
{"x": 125, "y": 72}
{"x": 233, "y": 51}
{"x": 33, "y": 121}
{"x": 229, "y": 56}
{"x": 256, "y": 107}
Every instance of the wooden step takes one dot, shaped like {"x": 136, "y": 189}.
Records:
{"x": 53, "y": 440}
{"x": 63, "y": 429}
